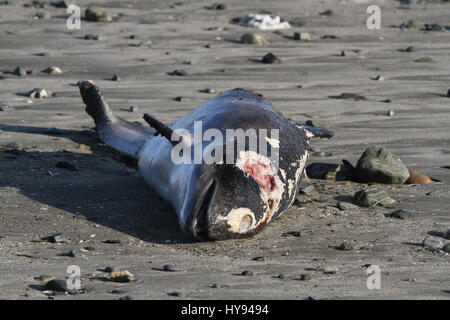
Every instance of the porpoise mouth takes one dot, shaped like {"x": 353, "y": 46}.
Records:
{"x": 200, "y": 221}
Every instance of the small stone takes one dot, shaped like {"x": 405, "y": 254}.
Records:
{"x": 63, "y": 3}
{"x": 56, "y": 238}
{"x": 448, "y": 93}
{"x": 178, "y": 294}
{"x": 433, "y": 27}
{"x": 307, "y": 189}
{"x": 115, "y": 77}
{"x": 447, "y": 248}
{"x": 425, "y": 60}
{"x": 432, "y": 243}
{"x": 59, "y": 285}
{"x": 45, "y": 278}
{"x": 281, "y": 276}
{"x": 97, "y": 14}
{"x": 179, "y": 99}
{"x": 302, "y": 36}
{"x": 38, "y": 93}
{"x": 42, "y": 15}
{"x": 327, "y": 269}
{"x": 76, "y": 254}
{"x": 247, "y": 273}
{"x": 91, "y": 37}
{"x": 371, "y": 198}
{"x": 351, "y": 53}
{"x": 145, "y": 44}
{"x": 133, "y": 109}
{"x": 381, "y": 166}
{"x": 271, "y": 59}
{"x": 352, "y": 96}
{"x": 208, "y": 90}
{"x": 126, "y": 298}
{"x": 305, "y": 277}
{"x": 411, "y": 24}
{"x": 447, "y": 234}
{"x": 3, "y": 107}
{"x": 121, "y": 276}
{"x": 180, "y": 73}
{"x": 329, "y": 171}
{"x": 111, "y": 241}
{"x": 170, "y": 268}
{"x": 218, "y": 6}
{"x": 19, "y": 71}
{"x": 378, "y": 78}
{"x": 253, "y": 38}
{"x": 346, "y": 206}
{"x": 390, "y": 113}
{"x": 53, "y": 70}
{"x": 401, "y": 214}
{"x": 258, "y": 259}
{"x": 110, "y": 269}
{"x": 328, "y": 12}
{"x": 67, "y": 165}
{"x": 345, "y": 246}
{"x": 292, "y": 233}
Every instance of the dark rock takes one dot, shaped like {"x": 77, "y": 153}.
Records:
{"x": 59, "y": 285}
{"x": 330, "y": 171}
{"x": 126, "y": 298}
{"x": 401, "y": 214}
{"x": 346, "y": 206}
{"x": 271, "y": 59}
{"x": 326, "y": 13}
{"x": 370, "y": 198}
{"x": 433, "y": 27}
{"x": 258, "y": 259}
{"x": 281, "y": 276}
{"x": 180, "y": 99}
{"x": 381, "y": 166}
{"x": 345, "y": 246}
{"x": 178, "y": 294}
{"x": 180, "y": 73}
{"x": 19, "y": 71}
{"x": 432, "y": 243}
{"x": 97, "y": 14}
{"x": 56, "y": 238}
{"x": 67, "y": 165}
{"x": 110, "y": 269}
{"x": 218, "y": 6}
{"x": 113, "y": 241}
{"x": 248, "y": 273}
{"x": 133, "y": 109}
{"x": 63, "y": 3}
{"x": 53, "y": 130}
{"x": 115, "y": 77}
{"x": 292, "y": 233}
{"x": 305, "y": 277}
{"x": 352, "y": 96}
{"x": 3, "y": 107}
{"x": 170, "y": 268}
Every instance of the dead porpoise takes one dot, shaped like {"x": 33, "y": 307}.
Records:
{"x": 222, "y": 199}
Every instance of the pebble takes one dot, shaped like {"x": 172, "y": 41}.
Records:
{"x": 292, "y": 233}
{"x": 93, "y": 37}
{"x": 111, "y": 241}
{"x": 281, "y": 276}
{"x": 97, "y": 14}
{"x": 180, "y": 73}
{"x": 351, "y": 53}
{"x": 345, "y": 246}
{"x": 76, "y": 254}
{"x": 409, "y": 49}
{"x": 126, "y": 298}
{"x": 370, "y": 198}
{"x": 115, "y": 77}
{"x": 381, "y": 166}
{"x": 328, "y": 12}
{"x": 133, "y": 109}
{"x": 432, "y": 243}
{"x": 56, "y": 238}
{"x": 302, "y": 36}
{"x": 208, "y": 90}
{"x": 53, "y": 70}
{"x": 258, "y": 259}
{"x": 42, "y": 15}
{"x": 38, "y": 93}
{"x": 67, "y": 165}
{"x": 390, "y": 113}
{"x": 425, "y": 60}
{"x": 11, "y": 31}
{"x": 327, "y": 269}
{"x": 305, "y": 277}
{"x": 253, "y": 38}
{"x": 110, "y": 269}
{"x": 3, "y": 107}
{"x": 145, "y": 44}
{"x": 447, "y": 248}
{"x": 170, "y": 268}
{"x": 307, "y": 189}
{"x": 19, "y": 71}
{"x": 447, "y": 234}
{"x": 121, "y": 276}
{"x": 352, "y": 96}
{"x": 45, "y": 278}
{"x": 346, "y": 206}
{"x": 180, "y": 99}
{"x": 378, "y": 78}
{"x": 218, "y": 6}
{"x": 59, "y": 285}
{"x": 270, "y": 58}
{"x": 433, "y": 27}
{"x": 248, "y": 273}
{"x": 401, "y": 214}
{"x": 178, "y": 294}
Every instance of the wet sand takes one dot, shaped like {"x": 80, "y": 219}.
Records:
{"x": 106, "y": 199}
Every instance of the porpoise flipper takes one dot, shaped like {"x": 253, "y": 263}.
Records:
{"x": 124, "y": 136}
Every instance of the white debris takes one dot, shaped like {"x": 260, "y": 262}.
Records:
{"x": 264, "y": 22}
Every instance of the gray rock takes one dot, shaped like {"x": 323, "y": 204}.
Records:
{"x": 401, "y": 214}
{"x": 281, "y": 276}
{"x": 447, "y": 248}
{"x": 305, "y": 277}
{"x": 133, "y": 109}
{"x": 19, "y": 71}
{"x": 381, "y": 166}
{"x": 351, "y": 96}
{"x": 328, "y": 269}
{"x": 346, "y": 206}
{"x": 115, "y": 77}
{"x": 433, "y": 27}
{"x": 56, "y": 238}
{"x": 432, "y": 243}
{"x": 371, "y": 198}
{"x": 447, "y": 234}
{"x": 270, "y": 58}
{"x": 253, "y": 38}
{"x": 97, "y": 14}
{"x": 3, "y": 107}
{"x": 248, "y": 273}
{"x": 208, "y": 90}
{"x": 345, "y": 246}
{"x": 330, "y": 171}
{"x": 59, "y": 285}
{"x": 76, "y": 254}
{"x": 63, "y": 3}
{"x": 180, "y": 73}
{"x": 170, "y": 268}
{"x": 307, "y": 189}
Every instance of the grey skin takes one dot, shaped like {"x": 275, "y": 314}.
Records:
{"x": 221, "y": 200}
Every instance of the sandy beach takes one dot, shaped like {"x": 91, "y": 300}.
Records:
{"x": 106, "y": 199}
